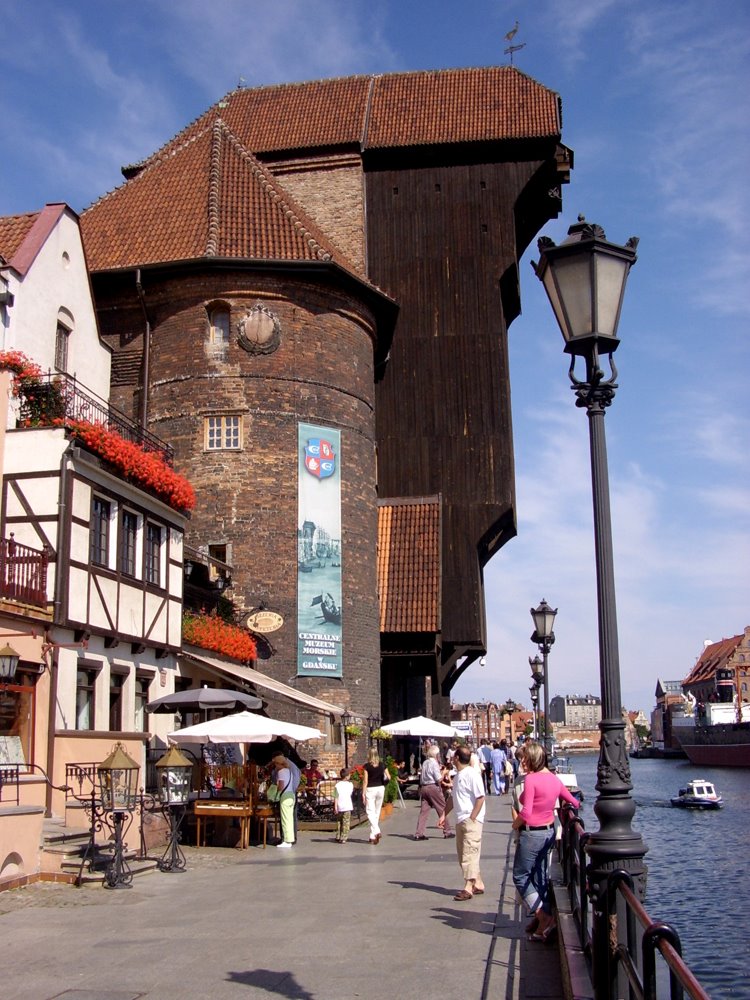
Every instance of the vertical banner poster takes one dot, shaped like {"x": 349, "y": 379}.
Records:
{"x": 318, "y": 552}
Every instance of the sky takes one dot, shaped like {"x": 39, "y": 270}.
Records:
{"x": 655, "y": 107}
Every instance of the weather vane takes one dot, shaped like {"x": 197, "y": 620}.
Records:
{"x": 513, "y": 48}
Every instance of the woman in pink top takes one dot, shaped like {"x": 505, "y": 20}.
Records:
{"x": 536, "y": 825}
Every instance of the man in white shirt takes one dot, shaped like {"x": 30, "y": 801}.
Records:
{"x": 468, "y": 803}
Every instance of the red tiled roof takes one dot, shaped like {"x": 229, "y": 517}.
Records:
{"x": 712, "y": 659}
{"x": 208, "y": 197}
{"x": 23, "y": 236}
{"x": 409, "y": 565}
{"x": 491, "y": 103}
{"x": 13, "y": 231}
{"x": 459, "y": 105}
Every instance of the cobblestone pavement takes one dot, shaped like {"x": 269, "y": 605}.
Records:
{"x": 320, "y": 922}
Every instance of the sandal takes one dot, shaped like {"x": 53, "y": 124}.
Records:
{"x": 463, "y": 894}
{"x": 479, "y": 892}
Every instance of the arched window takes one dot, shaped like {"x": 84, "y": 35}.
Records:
{"x": 219, "y": 326}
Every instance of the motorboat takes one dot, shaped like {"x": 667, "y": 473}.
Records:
{"x": 699, "y": 794}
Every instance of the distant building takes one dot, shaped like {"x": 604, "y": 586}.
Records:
{"x": 669, "y": 703}
{"x": 721, "y": 670}
{"x": 491, "y": 722}
{"x": 576, "y": 712}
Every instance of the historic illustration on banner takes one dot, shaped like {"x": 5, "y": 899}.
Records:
{"x": 319, "y": 552}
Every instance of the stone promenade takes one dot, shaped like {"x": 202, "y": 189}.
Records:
{"x": 321, "y": 922}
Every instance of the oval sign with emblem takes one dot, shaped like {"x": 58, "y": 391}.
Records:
{"x": 264, "y": 621}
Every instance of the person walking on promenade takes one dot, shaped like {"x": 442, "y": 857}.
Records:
{"x": 374, "y": 779}
{"x": 343, "y": 805}
{"x": 498, "y": 769}
{"x": 535, "y": 822}
{"x": 287, "y": 776}
{"x": 485, "y": 755}
{"x": 468, "y": 803}
{"x": 431, "y": 795}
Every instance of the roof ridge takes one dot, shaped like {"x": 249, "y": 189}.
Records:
{"x": 294, "y": 213}
{"x": 153, "y": 161}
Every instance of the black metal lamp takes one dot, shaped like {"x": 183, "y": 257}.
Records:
{"x": 175, "y": 771}
{"x": 585, "y": 280}
{"x": 534, "y": 692}
{"x": 544, "y": 623}
{"x": 118, "y": 781}
{"x": 543, "y": 635}
{"x": 9, "y": 659}
{"x": 118, "y": 788}
{"x": 536, "y": 671}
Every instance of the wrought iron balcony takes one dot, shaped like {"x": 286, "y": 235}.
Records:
{"x": 23, "y": 573}
{"x": 51, "y": 400}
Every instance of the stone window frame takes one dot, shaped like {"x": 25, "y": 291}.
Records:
{"x": 210, "y": 435}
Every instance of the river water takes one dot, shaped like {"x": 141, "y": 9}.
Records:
{"x": 698, "y": 864}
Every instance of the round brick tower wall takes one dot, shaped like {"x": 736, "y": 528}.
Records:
{"x": 321, "y": 373}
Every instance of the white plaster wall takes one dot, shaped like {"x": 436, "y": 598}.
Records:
{"x": 58, "y": 279}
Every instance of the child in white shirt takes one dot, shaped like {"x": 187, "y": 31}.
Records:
{"x": 342, "y": 805}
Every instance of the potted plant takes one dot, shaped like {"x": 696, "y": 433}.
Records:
{"x": 353, "y": 730}
{"x": 380, "y": 734}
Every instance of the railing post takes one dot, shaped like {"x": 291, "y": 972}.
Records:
{"x": 659, "y": 931}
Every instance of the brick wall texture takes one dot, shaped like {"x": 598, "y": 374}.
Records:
{"x": 322, "y": 372}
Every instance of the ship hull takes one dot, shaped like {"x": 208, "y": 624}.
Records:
{"x": 723, "y": 745}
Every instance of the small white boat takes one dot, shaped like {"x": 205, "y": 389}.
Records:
{"x": 699, "y": 794}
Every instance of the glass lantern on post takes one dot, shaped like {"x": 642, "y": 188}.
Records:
{"x": 175, "y": 771}
{"x": 118, "y": 788}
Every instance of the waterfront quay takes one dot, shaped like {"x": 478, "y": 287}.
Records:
{"x": 321, "y": 922}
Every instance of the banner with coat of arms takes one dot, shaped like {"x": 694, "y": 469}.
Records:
{"x": 319, "y": 552}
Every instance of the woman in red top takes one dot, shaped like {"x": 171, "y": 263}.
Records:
{"x": 536, "y": 825}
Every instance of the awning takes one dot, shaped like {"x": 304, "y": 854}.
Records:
{"x": 251, "y": 676}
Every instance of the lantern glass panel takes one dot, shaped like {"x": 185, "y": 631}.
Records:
{"x": 572, "y": 275}
{"x": 119, "y": 788}
{"x": 611, "y": 275}
{"x": 175, "y": 785}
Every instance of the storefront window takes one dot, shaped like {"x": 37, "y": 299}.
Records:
{"x": 16, "y": 723}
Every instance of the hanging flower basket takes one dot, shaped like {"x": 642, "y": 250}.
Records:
{"x": 212, "y": 632}
{"x": 353, "y": 730}
{"x": 143, "y": 468}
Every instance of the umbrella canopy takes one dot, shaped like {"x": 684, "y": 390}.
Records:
{"x": 244, "y": 727}
{"x": 204, "y": 699}
{"x": 419, "y": 726}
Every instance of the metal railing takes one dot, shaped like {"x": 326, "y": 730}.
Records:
{"x": 50, "y": 400}
{"x": 635, "y": 938}
{"x": 23, "y": 572}
{"x": 9, "y": 777}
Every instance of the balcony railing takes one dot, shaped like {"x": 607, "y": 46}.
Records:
{"x": 23, "y": 573}
{"x": 50, "y": 399}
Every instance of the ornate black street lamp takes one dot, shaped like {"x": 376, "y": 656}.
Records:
{"x": 345, "y": 720}
{"x": 544, "y": 622}
{"x": 534, "y": 692}
{"x": 585, "y": 281}
{"x": 175, "y": 771}
{"x": 118, "y": 791}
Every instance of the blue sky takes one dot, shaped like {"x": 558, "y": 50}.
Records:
{"x": 655, "y": 107}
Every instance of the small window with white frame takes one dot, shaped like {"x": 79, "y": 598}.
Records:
{"x": 152, "y": 570}
{"x": 101, "y": 519}
{"x": 129, "y": 530}
{"x": 223, "y": 433}
{"x": 62, "y": 339}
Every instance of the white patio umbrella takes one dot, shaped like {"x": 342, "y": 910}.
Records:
{"x": 420, "y": 726}
{"x": 243, "y": 727}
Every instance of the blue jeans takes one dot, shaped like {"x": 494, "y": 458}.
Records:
{"x": 530, "y": 875}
